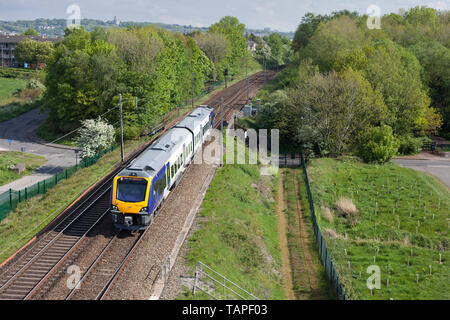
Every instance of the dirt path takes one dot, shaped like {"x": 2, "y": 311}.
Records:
{"x": 304, "y": 238}
{"x": 282, "y": 227}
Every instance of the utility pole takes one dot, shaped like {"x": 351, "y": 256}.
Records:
{"x": 264, "y": 64}
{"x": 221, "y": 131}
{"x": 121, "y": 126}
{"x": 226, "y": 77}
{"x": 248, "y": 80}
{"x": 193, "y": 89}
{"x": 136, "y": 102}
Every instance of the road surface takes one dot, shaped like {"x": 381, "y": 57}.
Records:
{"x": 438, "y": 168}
{"x": 20, "y": 132}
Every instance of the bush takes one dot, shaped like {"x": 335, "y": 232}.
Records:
{"x": 94, "y": 137}
{"x": 35, "y": 84}
{"x": 378, "y": 144}
{"x": 410, "y": 145}
{"x": 130, "y": 132}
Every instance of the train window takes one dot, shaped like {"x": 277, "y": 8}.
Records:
{"x": 164, "y": 182}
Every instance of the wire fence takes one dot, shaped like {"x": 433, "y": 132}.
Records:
{"x": 323, "y": 250}
{"x": 217, "y": 286}
{"x": 10, "y": 199}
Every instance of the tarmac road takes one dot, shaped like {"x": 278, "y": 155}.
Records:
{"x": 22, "y": 131}
{"x": 438, "y": 168}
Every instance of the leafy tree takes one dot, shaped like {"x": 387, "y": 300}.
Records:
{"x": 94, "y": 136}
{"x": 234, "y": 32}
{"x": 30, "y": 32}
{"x": 338, "y": 35}
{"x": 82, "y": 78}
{"x": 31, "y": 51}
{"x": 216, "y": 47}
{"x": 435, "y": 59}
{"x": 378, "y": 144}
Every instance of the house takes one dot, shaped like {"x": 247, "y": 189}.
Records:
{"x": 252, "y": 46}
{"x": 9, "y": 42}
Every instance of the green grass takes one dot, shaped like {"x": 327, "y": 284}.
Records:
{"x": 399, "y": 210}
{"x": 8, "y": 86}
{"x": 11, "y": 158}
{"x": 238, "y": 236}
{"x": 32, "y": 215}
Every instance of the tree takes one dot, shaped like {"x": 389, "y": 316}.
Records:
{"x": 31, "y": 51}
{"x": 378, "y": 144}
{"x": 82, "y": 79}
{"x": 338, "y": 35}
{"x": 435, "y": 59}
{"x": 233, "y": 30}
{"x": 216, "y": 47}
{"x": 94, "y": 136}
{"x": 334, "y": 110}
{"x": 30, "y": 32}
{"x": 309, "y": 24}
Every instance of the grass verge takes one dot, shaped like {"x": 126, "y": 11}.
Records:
{"x": 238, "y": 236}
{"x": 11, "y": 158}
{"x": 401, "y": 226}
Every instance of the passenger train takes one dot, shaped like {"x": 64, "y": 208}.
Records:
{"x": 139, "y": 190}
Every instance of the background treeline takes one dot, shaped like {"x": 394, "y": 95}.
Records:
{"x": 349, "y": 86}
{"x": 86, "y": 71}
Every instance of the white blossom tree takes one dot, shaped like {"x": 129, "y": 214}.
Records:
{"x": 94, "y": 136}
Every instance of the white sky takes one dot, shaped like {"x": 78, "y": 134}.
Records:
{"x": 283, "y": 15}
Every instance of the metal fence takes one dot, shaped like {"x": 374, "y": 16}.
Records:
{"x": 217, "y": 286}
{"x": 10, "y": 199}
{"x": 327, "y": 261}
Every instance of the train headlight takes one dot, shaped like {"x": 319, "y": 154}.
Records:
{"x": 114, "y": 208}
{"x": 144, "y": 209}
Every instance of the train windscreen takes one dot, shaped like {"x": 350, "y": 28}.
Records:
{"x": 131, "y": 190}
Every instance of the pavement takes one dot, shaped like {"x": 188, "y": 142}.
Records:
{"x": 436, "y": 166}
{"x": 20, "y": 132}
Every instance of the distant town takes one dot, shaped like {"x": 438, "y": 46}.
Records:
{"x": 54, "y": 28}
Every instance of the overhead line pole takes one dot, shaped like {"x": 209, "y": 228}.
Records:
{"x": 248, "y": 80}
{"x": 193, "y": 87}
{"x": 221, "y": 131}
{"x": 121, "y": 126}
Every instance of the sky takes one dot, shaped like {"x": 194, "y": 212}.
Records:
{"x": 282, "y": 15}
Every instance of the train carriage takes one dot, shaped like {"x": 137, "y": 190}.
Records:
{"x": 139, "y": 190}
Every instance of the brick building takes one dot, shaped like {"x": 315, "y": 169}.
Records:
{"x": 7, "y": 45}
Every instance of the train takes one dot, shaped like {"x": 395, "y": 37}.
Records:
{"x": 139, "y": 190}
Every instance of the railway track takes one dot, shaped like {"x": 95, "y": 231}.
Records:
{"x": 24, "y": 279}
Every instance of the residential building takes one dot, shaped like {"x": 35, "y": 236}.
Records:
{"x": 9, "y": 42}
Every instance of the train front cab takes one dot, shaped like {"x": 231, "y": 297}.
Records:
{"x": 130, "y": 202}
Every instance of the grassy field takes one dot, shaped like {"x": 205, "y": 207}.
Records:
{"x": 401, "y": 225}
{"x": 238, "y": 236}
{"x": 11, "y": 158}
{"x": 32, "y": 215}
{"x": 10, "y": 85}
{"x": 15, "y": 98}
